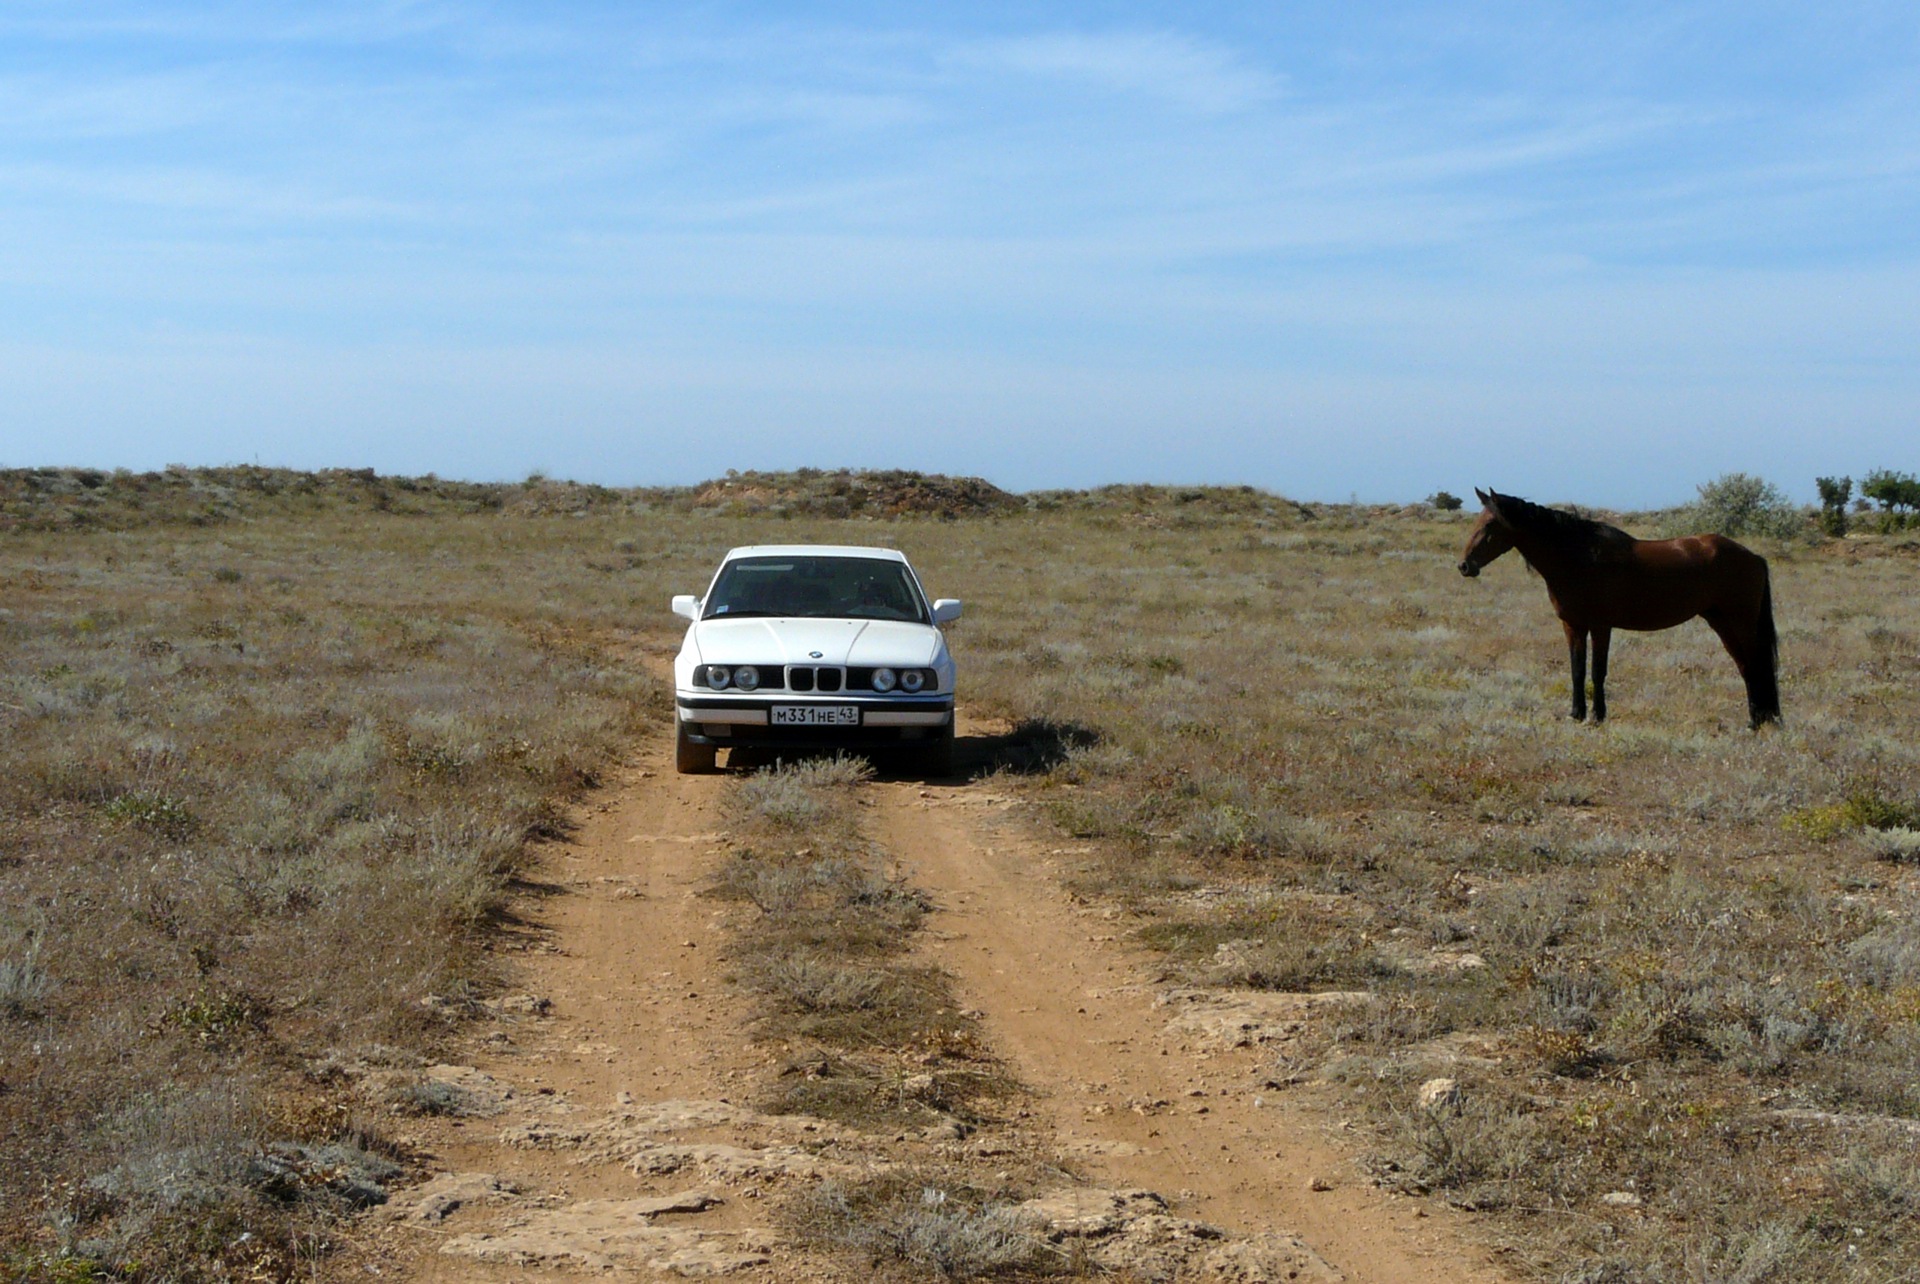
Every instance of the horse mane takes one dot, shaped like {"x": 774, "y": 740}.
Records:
{"x": 1580, "y": 537}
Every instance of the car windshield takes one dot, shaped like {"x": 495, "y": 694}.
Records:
{"x": 840, "y": 588}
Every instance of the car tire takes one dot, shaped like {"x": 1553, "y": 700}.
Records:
{"x": 690, "y": 759}
{"x": 935, "y": 758}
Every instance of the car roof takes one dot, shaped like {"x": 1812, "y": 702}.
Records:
{"x": 814, "y": 550}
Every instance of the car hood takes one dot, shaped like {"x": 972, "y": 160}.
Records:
{"x": 791, "y": 641}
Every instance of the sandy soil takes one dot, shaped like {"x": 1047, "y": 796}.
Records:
{"x": 609, "y": 1125}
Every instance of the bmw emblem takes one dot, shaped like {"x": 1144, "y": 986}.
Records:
{"x": 815, "y": 654}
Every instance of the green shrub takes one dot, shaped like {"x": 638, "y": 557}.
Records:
{"x": 1741, "y": 504}
{"x": 1863, "y": 808}
{"x": 159, "y": 813}
{"x": 1898, "y": 495}
{"x": 1834, "y": 494}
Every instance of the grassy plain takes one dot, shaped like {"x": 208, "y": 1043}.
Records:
{"x": 1674, "y": 967}
{"x": 271, "y": 751}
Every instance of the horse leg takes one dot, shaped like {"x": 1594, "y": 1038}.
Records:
{"x": 1763, "y": 671}
{"x": 1741, "y": 645}
{"x": 1755, "y": 649}
{"x": 1602, "y": 639}
{"x": 1577, "y": 659}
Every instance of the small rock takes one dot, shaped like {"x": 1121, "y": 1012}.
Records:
{"x": 1440, "y": 1094}
{"x": 520, "y": 1005}
{"x": 604, "y": 1236}
{"x": 1264, "y": 1258}
{"x": 1620, "y": 1199}
{"x": 687, "y": 1201}
{"x": 1319, "y": 1184}
{"x": 1090, "y": 1211}
{"x": 447, "y": 1194}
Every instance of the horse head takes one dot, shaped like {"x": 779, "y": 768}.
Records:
{"x": 1490, "y": 538}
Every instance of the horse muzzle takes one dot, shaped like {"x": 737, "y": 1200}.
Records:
{"x": 1469, "y": 569}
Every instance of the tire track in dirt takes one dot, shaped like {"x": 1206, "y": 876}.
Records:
{"x": 1132, "y": 1101}
{"x": 630, "y": 1010}
{"x": 617, "y": 1134}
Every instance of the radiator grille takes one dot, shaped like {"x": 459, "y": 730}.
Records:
{"x": 807, "y": 677}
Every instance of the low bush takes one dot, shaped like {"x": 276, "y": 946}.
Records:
{"x": 1898, "y": 495}
{"x": 927, "y": 1223}
{"x": 1739, "y": 504}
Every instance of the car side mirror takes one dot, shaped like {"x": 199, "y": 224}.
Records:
{"x": 946, "y": 608}
{"x": 686, "y": 605}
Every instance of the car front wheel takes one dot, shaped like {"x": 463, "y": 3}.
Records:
{"x": 690, "y": 759}
{"x": 935, "y": 758}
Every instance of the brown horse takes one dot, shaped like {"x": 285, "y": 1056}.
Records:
{"x": 1599, "y": 578}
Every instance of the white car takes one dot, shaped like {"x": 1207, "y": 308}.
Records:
{"x": 814, "y": 646}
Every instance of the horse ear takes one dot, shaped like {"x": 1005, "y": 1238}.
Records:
{"x": 1486, "y": 500}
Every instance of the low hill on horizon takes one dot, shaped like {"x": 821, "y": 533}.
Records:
{"x": 80, "y": 498}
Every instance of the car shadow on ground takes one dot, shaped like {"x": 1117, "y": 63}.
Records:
{"x": 1033, "y": 747}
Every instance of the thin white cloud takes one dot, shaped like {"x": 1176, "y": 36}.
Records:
{"x": 204, "y": 191}
{"x": 47, "y": 108}
{"x": 1194, "y": 74}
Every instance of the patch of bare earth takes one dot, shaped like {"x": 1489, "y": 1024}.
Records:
{"x": 605, "y": 1122}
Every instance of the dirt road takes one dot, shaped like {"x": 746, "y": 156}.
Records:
{"x": 605, "y": 1122}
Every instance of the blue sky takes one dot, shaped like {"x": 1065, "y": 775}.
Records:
{"x": 1599, "y": 252}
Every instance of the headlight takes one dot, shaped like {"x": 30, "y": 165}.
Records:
{"x": 912, "y": 680}
{"x": 746, "y": 677}
{"x": 883, "y": 679}
{"x": 718, "y": 677}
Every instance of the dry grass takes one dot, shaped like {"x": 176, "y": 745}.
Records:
{"x": 265, "y": 788}
{"x": 924, "y": 1224}
{"x": 872, "y": 1038}
{"x": 274, "y": 745}
{"x": 1325, "y": 761}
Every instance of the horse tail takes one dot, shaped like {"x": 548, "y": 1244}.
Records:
{"x": 1763, "y": 666}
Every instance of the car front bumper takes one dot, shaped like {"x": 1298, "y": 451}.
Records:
{"x": 751, "y": 721}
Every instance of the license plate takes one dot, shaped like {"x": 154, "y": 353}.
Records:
{"x": 816, "y": 715}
